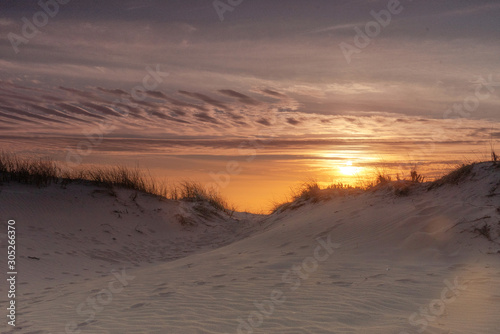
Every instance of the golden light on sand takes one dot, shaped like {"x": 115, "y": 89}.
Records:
{"x": 348, "y": 169}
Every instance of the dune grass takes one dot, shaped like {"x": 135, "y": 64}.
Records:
{"x": 311, "y": 191}
{"x": 39, "y": 172}
{"x": 454, "y": 177}
{"x": 43, "y": 172}
{"x": 494, "y": 157}
{"x": 193, "y": 192}
{"x": 123, "y": 177}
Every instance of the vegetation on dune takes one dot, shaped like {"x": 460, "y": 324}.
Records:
{"x": 194, "y": 192}
{"x": 494, "y": 157}
{"x": 461, "y": 173}
{"x": 454, "y": 177}
{"x": 43, "y": 172}
{"x": 311, "y": 191}
{"x": 38, "y": 172}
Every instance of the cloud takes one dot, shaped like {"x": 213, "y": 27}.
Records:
{"x": 264, "y": 121}
{"x": 353, "y": 88}
{"x": 273, "y": 93}
{"x": 63, "y": 113}
{"x": 87, "y": 95}
{"x": 31, "y": 115}
{"x": 169, "y": 118}
{"x": 179, "y": 112}
{"x": 205, "y": 117}
{"x": 100, "y": 108}
{"x": 347, "y": 26}
{"x": 117, "y": 92}
{"x": 78, "y": 110}
{"x": 53, "y": 112}
{"x": 205, "y": 99}
{"x": 156, "y": 94}
{"x": 6, "y": 115}
{"x": 241, "y": 97}
{"x": 292, "y": 121}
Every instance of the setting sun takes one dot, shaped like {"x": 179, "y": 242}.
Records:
{"x": 348, "y": 169}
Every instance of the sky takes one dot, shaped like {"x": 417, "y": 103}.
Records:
{"x": 251, "y": 97}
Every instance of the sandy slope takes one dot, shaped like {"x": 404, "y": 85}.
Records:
{"x": 371, "y": 263}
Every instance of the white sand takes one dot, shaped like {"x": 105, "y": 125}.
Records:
{"x": 370, "y": 263}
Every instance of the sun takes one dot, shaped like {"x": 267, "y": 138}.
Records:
{"x": 348, "y": 169}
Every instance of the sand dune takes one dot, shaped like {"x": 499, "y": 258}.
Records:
{"x": 92, "y": 260}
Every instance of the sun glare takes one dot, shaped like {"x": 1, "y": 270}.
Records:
{"x": 348, "y": 169}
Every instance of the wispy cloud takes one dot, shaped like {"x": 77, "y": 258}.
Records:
{"x": 346, "y": 26}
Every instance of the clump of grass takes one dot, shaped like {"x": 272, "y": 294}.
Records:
{"x": 400, "y": 186}
{"x": 403, "y": 187}
{"x": 383, "y": 178}
{"x": 39, "y": 172}
{"x": 495, "y": 158}
{"x": 193, "y": 192}
{"x": 117, "y": 176}
{"x": 122, "y": 177}
{"x": 415, "y": 177}
{"x": 311, "y": 192}
{"x": 454, "y": 177}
